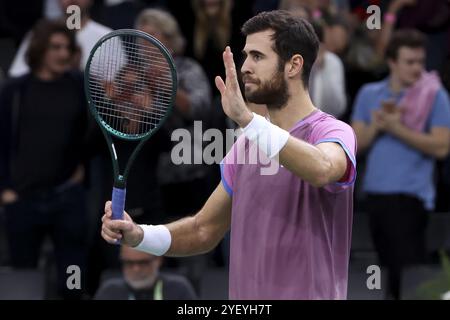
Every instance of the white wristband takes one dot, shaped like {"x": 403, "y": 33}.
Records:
{"x": 156, "y": 240}
{"x": 269, "y": 137}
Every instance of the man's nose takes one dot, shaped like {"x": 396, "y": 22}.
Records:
{"x": 245, "y": 68}
{"x": 135, "y": 267}
{"x": 64, "y": 51}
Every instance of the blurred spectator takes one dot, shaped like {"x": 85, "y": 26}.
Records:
{"x": 336, "y": 34}
{"x": 86, "y": 37}
{"x": 142, "y": 280}
{"x": 433, "y": 18}
{"x": 212, "y": 32}
{"x": 362, "y": 64}
{"x": 208, "y": 12}
{"x": 41, "y": 148}
{"x": 362, "y": 53}
{"x": 403, "y": 123}
{"x": 327, "y": 80}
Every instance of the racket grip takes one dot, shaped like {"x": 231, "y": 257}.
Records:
{"x": 118, "y": 203}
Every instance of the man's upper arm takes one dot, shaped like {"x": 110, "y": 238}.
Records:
{"x": 440, "y": 113}
{"x": 337, "y": 141}
{"x": 441, "y": 136}
{"x": 338, "y": 158}
{"x": 439, "y": 121}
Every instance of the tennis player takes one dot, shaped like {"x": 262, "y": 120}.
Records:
{"x": 291, "y": 230}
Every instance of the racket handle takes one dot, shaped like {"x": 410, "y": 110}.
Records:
{"x": 118, "y": 203}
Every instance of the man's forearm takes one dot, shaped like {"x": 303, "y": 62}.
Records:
{"x": 187, "y": 238}
{"x": 424, "y": 142}
{"x": 177, "y": 239}
{"x": 315, "y": 167}
{"x": 193, "y": 235}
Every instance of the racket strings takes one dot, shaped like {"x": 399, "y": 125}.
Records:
{"x": 131, "y": 84}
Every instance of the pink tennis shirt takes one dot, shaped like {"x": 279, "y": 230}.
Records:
{"x": 289, "y": 239}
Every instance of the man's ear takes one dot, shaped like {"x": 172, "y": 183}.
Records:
{"x": 294, "y": 66}
{"x": 391, "y": 63}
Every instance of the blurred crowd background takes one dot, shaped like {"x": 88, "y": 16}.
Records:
{"x": 55, "y": 169}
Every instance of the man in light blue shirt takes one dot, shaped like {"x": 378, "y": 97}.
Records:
{"x": 400, "y": 157}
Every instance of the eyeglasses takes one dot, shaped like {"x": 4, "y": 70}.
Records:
{"x": 140, "y": 263}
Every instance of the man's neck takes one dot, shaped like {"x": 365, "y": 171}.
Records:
{"x": 46, "y": 75}
{"x": 395, "y": 84}
{"x": 298, "y": 107}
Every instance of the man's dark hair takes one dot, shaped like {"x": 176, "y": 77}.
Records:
{"x": 404, "y": 38}
{"x": 291, "y": 36}
{"x": 40, "y": 39}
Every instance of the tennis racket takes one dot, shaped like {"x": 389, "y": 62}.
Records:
{"x": 130, "y": 85}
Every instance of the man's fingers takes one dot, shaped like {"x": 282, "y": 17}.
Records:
{"x": 114, "y": 230}
{"x": 108, "y": 208}
{"x": 111, "y": 233}
{"x": 108, "y": 238}
{"x": 230, "y": 67}
{"x": 118, "y": 225}
{"x": 220, "y": 85}
{"x": 108, "y": 211}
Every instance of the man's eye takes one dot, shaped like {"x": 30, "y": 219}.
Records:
{"x": 256, "y": 57}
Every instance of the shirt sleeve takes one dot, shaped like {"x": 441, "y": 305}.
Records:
{"x": 440, "y": 112}
{"x": 361, "y": 111}
{"x": 229, "y": 164}
{"x": 227, "y": 170}
{"x": 336, "y": 131}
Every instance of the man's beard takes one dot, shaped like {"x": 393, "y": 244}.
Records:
{"x": 140, "y": 284}
{"x": 273, "y": 93}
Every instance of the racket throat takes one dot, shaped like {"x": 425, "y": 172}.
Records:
{"x": 119, "y": 182}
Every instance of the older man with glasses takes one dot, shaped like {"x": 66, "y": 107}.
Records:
{"x": 142, "y": 280}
